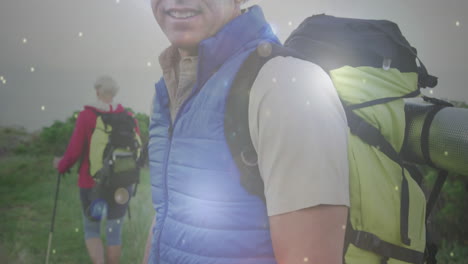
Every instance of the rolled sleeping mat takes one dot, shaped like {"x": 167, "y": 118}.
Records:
{"x": 437, "y": 135}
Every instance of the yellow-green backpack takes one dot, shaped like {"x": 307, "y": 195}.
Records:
{"x": 374, "y": 69}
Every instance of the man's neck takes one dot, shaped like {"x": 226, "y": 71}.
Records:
{"x": 190, "y": 52}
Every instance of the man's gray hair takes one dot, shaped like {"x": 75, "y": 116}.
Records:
{"x": 106, "y": 85}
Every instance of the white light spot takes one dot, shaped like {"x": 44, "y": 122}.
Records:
{"x": 117, "y": 1}
{"x": 53, "y": 251}
{"x": 148, "y": 64}
{"x": 446, "y": 153}
{"x": 4, "y": 81}
{"x": 274, "y": 80}
{"x": 2, "y": 78}
{"x": 80, "y": 34}
{"x": 289, "y": 23}
{"x": 293, "y": 79}
{"x": 77, "y": 229}
{"x": 306, "y": 259}
{"x": 386, "y": 64}
{"x": 32, "y": 69}
{"x": 396, "y": 188}
{"x": 457, "y": 23}
{"x": 452, "y": 254}
{"x": 110, "y": 229}
{"x": 274, "y": 28}
{"x": 42, "y": 108}
{"x": 118, "y": 221}
{"x": 343, "y": 227}
{"x": 25, "y": 40}
{"x": 264, "y": 49}
{"x": 431, "y": 91}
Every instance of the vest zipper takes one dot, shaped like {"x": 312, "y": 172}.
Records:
{"x": 170, "y": 132}
{"x": 166, "y": 195}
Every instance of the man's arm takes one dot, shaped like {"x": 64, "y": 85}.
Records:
{"x": 311, "y": 235}
{"x": 298, "y": 127}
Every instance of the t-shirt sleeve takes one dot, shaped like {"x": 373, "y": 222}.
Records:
{"x": 298, "y": 128}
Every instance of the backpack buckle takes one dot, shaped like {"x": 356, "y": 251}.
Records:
{"x": 249, "y": 157}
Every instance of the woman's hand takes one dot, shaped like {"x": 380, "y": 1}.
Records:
{"x": 56, "y": 162}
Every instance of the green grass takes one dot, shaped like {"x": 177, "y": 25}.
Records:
{"x": 452, "y": 253}
{"x": 27, "y": 188}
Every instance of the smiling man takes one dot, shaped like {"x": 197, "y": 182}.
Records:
{"x": 297, "y": 126}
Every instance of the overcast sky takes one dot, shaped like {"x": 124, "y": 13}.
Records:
{"x": 51, "y": 51}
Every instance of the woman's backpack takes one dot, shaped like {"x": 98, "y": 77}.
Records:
{"x": 115, "y": 150}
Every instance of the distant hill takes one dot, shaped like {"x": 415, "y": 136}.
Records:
{"x": 13, "y": 137}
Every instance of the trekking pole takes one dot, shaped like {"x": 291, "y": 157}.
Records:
{"x": 53, "y": 217}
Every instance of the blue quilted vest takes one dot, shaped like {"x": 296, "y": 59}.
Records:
{"x": 203, "y": 214}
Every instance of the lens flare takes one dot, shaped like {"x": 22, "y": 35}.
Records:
{"x": 121, "y": 196}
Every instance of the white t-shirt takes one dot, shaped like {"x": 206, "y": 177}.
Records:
{"x": 298, "y": 128}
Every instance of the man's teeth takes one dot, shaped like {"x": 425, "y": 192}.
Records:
{"x": 180, "y": 14}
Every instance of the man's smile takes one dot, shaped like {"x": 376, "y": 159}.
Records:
{"x": 182, "y": 13}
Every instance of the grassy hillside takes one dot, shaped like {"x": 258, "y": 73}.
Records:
{"x": 27, "y": 188}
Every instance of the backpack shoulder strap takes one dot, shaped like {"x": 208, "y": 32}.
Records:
{"x": 97, "y": 113}
{"x": 102, "y": 116}
{"x": 236, "y": 123}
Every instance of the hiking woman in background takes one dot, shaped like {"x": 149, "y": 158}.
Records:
{"x": 79, "y": 149}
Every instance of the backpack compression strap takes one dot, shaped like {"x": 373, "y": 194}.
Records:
{"x": 442, "y": 176}
{"x": 372, "y": 136}
{"x": 370, "y": 242}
